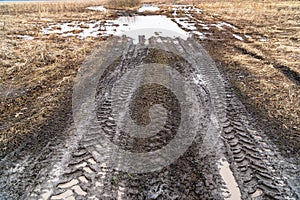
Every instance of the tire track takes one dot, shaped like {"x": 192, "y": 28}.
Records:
{"x": 76, "y": 170}
{"x": 86, "y": 178}
{"x": 257, "y": 164}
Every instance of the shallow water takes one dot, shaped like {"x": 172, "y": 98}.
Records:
{"x": 147, "y": 26}
{"x": 151, "y": 25}
{"x": 149, "y": 8}
{"x": 97, "y": 8}
{"x": 25, "y": 37}
{"x": 156, "y": 25}
{"x": 231, "y": 184}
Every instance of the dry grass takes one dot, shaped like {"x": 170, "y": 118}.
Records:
{"x": 36, "y": 75}
{"x": 121, "y": 4}
{"x": 251, "y": 64}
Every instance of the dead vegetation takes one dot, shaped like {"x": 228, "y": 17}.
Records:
{"x": 265, "y": 67}
{"x": 123, "y": 4}
{"x": 37, "y": 74}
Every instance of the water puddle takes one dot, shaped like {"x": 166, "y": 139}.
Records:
{"x": 152, "y": 25}
{"x": 25, "y": 37}
{"x": 263, "y": 39}
{"x": 148, "y": 8}
{"x": 238, "y": 37}
{"x": 186, "y": 23}
{"x": 97, "y": 8}
{"x": 183, "y": 25}
{"x": 156, "y": 25}
{"x": 228, "y": 178}
{"x": 185, "y": 8}
{"x": 221, "y": 25}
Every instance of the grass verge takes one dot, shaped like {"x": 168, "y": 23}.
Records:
{"x": 264, "y": 67}
{"x": 123, "y": 4}
{"x": 37, "y": 75}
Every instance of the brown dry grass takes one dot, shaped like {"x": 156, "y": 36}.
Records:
{"x": 123, "y": 4}
{"x": 36, "y": 75}
{"x": 267, "y": 88}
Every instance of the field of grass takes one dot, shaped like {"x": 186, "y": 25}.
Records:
{"x": 36, "y": 76}
{"x": 265, "y": 68}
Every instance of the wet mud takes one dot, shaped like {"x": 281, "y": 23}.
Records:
{"x": 70, "y": 167}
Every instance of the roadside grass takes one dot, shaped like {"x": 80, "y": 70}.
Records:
{"x": 123, "y": 4}
{"x": 37, "y": 74}
{"x": 265, "y": 67}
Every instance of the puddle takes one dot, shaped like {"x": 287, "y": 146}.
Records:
{"x": 152, "y": 25}
{"x": 186, "y": 23}
{"x": 97, "y": 8}
{"x": 185, "y": 9}
{"x": 231, "y": 184}
{"x": 263, "y": 39}
{"x": 149, "y": 26}
{"x": 148, "y": 8}
{"x": 135, "y": 26}
{"x": 204, "y": 26}
{"x": 221, "y": 25}
{"x": 238, "y": 37}
{"x": 200, "y": 35}
{"x": 25, "y": 37}
{"x": 62, "y": 28}
{"x": 227, "y": 24}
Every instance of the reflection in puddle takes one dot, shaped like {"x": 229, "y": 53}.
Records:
{"x": 238, "y": 37}
{"x": 149, "y": 26}
{"x": 221, "y": 25}
{"x": 185, "y": 8}
{"x": 148, "y": 8}
{"x": 25, "y": 37}
{"x": 231, "y": 184}
{"x": 97, "y": 8}
{"x": 186, "y": 23}
{"x": 152, "y": 25}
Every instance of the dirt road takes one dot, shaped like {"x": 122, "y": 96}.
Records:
{"x": 152, "y": 120}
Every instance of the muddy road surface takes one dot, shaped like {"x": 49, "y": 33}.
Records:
{"x": 151, "y": 119}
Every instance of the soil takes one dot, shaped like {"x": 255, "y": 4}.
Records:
{"x": 69, "y": 163}
{"x": 68, "y": 157}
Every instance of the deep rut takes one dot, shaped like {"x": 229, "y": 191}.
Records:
{"x": 80, "y": 167}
